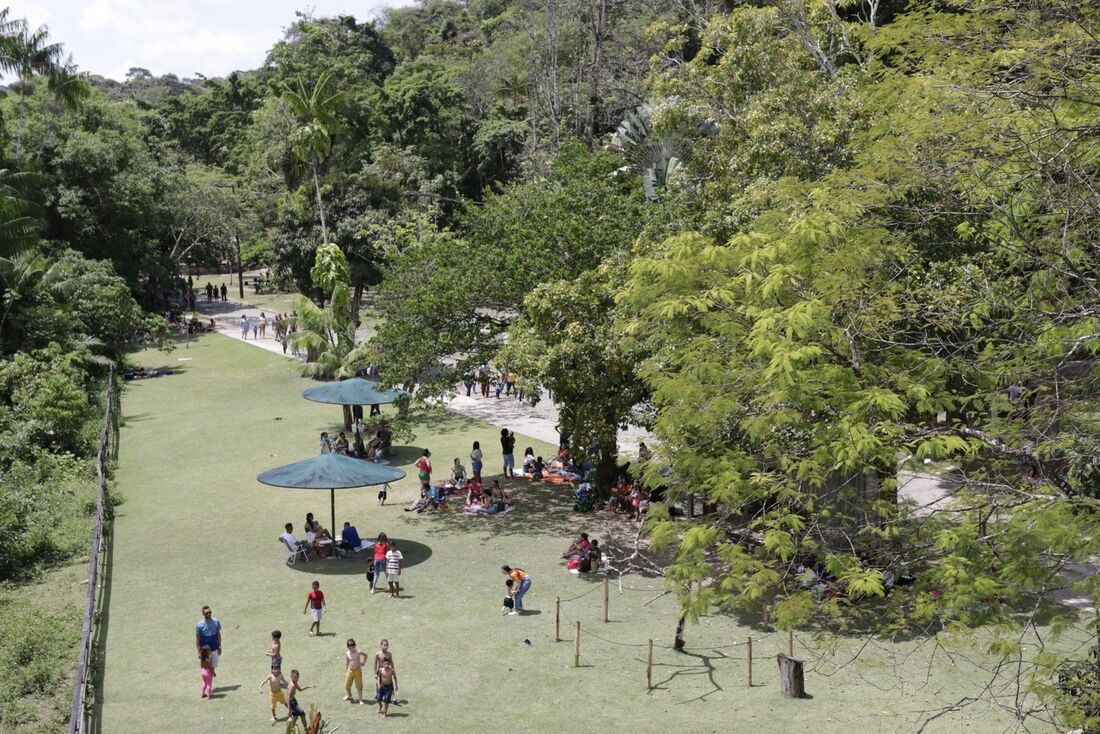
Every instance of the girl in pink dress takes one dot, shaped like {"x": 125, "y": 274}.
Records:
{"x": 207, "y": 671}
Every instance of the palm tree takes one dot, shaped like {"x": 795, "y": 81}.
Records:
{"x": 29, "y": 56}
{"x": 20, "y": 222}
{"x": 316, "y": 110}
{"x": 21, "y": 276}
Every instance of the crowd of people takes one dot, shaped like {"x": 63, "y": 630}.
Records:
{"x": 283, "y": 327}
{"x": 371, "y": 443}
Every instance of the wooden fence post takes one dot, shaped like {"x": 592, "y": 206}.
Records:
{"x": 750, "y": 662}
{"x": 791, "y": 681}
{"x": 606, "y": 586}
{"x": 649, "y": 668}
{"x": 557, "y": 619}
{"x": 577, "y": 647}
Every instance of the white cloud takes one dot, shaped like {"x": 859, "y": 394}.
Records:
{"x": 211, "y": 37}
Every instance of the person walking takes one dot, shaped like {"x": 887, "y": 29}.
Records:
{"x": 244, "y": 326}
{"x": 263, "y": 325}
{"x": 508, "y": 448}
{"x": 522, "y": 585}
{"x": 315, "y": 604}
{"x": 225, "y": 293}
{"x": 206, "y": 670}
{"x": 208, "y": 632}
{"x": 393, "y": 570}
{"x": 381, "y": 545}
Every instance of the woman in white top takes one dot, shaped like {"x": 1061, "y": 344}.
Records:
{"x": 475, "y": 462}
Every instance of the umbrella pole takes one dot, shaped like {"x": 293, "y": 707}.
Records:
{"x": 332, "y": 504}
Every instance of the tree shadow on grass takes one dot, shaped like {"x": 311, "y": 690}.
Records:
{"x": 704, "y": 665}
{"x": 413, "y": 555}
{"x": 538, "y": 508}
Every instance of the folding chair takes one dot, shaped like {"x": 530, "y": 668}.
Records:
{"x": 294, "y": 553}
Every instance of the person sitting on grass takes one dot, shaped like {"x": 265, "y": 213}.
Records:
{"x": 578, "y": 548}
{"x": 500, "y": 499}
{"x": 349, "y": 538}
{"x": 591, "y": 560}
{"x": 539, "y": 469}
{"x": 528, "y": 461}
{"x": 473, "y": 492}
{"x": 341, "y": 447}
{"x": 484, "y": 507}
{"x": 458, "y": 472}
{"x": 421, "y": 504}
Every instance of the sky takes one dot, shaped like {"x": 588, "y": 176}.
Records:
{"x": 182, "y": 37}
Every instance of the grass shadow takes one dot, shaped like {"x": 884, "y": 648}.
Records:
{"x": 413, "y": 555}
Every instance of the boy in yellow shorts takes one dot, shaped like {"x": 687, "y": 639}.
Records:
{"x": 353, "y": 670}
{"x": 276, "y": 682}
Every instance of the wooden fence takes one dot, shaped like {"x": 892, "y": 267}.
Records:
{"x": 77, "y": 717}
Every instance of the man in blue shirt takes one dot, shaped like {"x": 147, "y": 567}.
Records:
{"x": 209, "y": 632}
{"x": 349, "y": 538}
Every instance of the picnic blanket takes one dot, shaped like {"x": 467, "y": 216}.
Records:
{"x": 507, "y": 509}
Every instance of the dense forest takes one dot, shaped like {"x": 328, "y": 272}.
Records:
{"x": 800, "y": 241}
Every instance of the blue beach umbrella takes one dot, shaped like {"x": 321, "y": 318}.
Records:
{"x": 331, "y": 472}
{"x": 353, "y": 391}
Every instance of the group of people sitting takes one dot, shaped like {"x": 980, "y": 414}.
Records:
{"x": 320, "y": 542}
{"x": 585, "y": 556}
{"x": 200, "y": 326}
{"x": 479, "y": 500}
{"x": 373, "y": 450}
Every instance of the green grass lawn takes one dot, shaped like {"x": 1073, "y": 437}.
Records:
{"x": 196, "y": 528}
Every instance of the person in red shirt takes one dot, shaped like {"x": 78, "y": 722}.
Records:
{"x": 380, "y": 547}
{"x": 424, "y": 467}
{"x": 315, "y": 603}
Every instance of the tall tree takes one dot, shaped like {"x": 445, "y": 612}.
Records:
{"x": 317, "y": 111}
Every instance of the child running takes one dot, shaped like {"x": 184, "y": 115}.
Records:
{"x": 315, "y": 604}
{"x": 292, "y": 692}
{"x": 354, "y": 659}
{"x": 387, "y": 686}
{"x": 276, "y": 682}
{"x": 206, "y": 670}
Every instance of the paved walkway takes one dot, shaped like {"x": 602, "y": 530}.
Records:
{"x": 504, "y": 412}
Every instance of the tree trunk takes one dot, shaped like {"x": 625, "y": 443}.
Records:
{"x": 356, "y": 298}
{"x": 608, "y": 467}
{"x": 240, "y": 267}
{"x": 320, "y": 206}
{"x": 597, "y": 69}
{"x": 792, "y": 683}
{"x": 347, "y": 417}
{"x": 679, "y": 643}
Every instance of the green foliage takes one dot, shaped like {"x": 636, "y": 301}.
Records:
{"x": 886, "y": 236}
{"x": 37, "y": 650}
{"x": 448, "y": 296}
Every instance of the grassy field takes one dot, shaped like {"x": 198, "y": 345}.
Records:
{"x": 196, "y": 528}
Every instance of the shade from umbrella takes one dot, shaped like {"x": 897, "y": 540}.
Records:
{"x": 353, "y": 391}
{"x": 331, "y": 472}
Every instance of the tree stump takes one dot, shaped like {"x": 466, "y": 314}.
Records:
{"x": 791, "y": 681}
